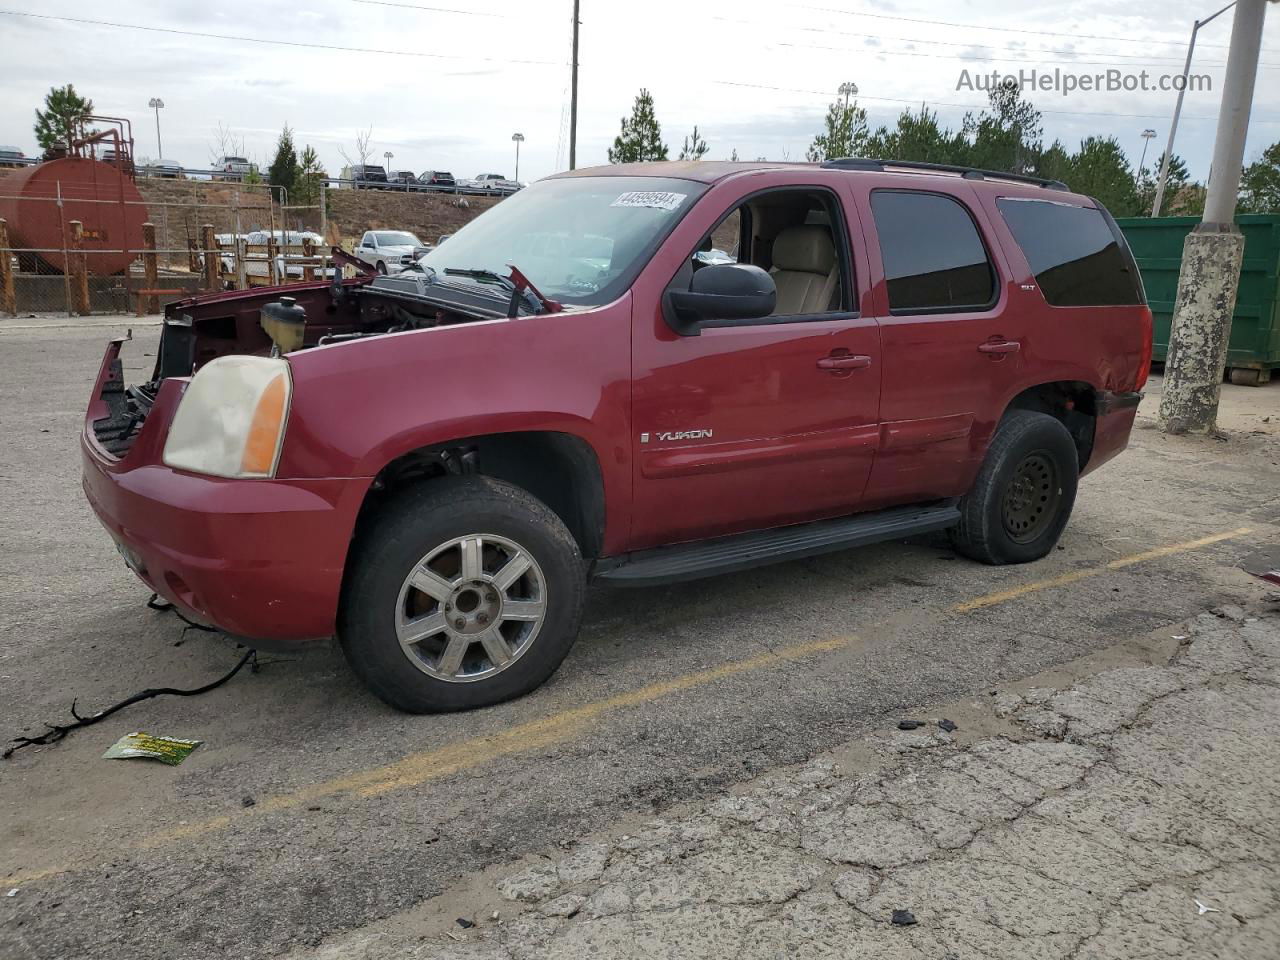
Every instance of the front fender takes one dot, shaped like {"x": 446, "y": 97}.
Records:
{"x": 361, "y": 404}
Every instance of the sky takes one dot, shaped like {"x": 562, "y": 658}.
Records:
{"x": 443, "y": 84}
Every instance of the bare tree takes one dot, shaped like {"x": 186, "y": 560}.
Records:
{"x": 225, "y": 143}
{"x": 363, "y": 150}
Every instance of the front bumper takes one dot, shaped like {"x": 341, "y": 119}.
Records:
{"x": 261, "y": 560}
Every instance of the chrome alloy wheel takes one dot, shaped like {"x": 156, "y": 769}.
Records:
{"x": 471, "y": 608}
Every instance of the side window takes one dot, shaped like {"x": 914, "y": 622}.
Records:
{"x": 789, "y": 233}
{"x": 367, "y": 241}
{"x": 721, "y": 245}
{"x": 1077, "y": 259}
{"x": 934, "y": 259}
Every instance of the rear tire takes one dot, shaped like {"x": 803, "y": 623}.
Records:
{"x": 436, "y": 561}
{"x": 1022, "y": 498}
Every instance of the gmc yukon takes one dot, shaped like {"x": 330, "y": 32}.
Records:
{"x": 431, "y": 466}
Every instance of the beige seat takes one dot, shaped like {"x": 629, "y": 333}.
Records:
{"x": 804, "y": 269}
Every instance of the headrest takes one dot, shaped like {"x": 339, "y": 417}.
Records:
{"x": 806, "y": 248}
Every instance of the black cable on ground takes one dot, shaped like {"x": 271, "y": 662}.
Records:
{"x": 57, "y": 732}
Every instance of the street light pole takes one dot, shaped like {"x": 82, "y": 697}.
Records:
{"x": 1146, "y": 142}
{"x": 1177, "y": 109}
{"x": 847, "y": 89}
{"x": 519, "y": 139}
{"x": 1213, "y": 253}
{"x": 156, "y": 103}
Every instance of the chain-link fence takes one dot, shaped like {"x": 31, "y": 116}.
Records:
{"x": 66, "y": 253}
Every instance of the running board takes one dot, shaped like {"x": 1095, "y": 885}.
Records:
{"x": 710, "y": 558}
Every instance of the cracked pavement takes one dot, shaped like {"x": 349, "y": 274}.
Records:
{"x": 1130, "y": 815}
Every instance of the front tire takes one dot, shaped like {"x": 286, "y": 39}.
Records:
{"x": 1022, "y": 498}
{"x": 463, "y": 592}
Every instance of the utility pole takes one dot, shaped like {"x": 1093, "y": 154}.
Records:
{"x": 1177, "y": 109}
{"x": 1213, "y": 252}
{"x": 572, "y": 100}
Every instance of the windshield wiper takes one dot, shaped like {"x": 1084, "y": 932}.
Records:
{"x": 519, "y": 285}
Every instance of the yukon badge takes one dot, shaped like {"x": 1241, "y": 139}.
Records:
{"x": 678, "y": 435}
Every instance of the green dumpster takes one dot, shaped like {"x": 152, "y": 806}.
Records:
{"x": 1254, "y": 350}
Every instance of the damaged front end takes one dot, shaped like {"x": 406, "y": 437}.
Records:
{"x": 278, "y": 321}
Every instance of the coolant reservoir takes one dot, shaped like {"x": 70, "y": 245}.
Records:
{"x": 285, "y": 323}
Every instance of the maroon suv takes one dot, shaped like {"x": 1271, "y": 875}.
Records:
{"x": 633, "y": 374}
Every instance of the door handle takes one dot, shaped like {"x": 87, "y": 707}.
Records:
{"x": 839, "y": 364}
{"x": 997, "y": 348}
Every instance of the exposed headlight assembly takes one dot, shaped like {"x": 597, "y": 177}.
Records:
{"x": 231, "y": 420}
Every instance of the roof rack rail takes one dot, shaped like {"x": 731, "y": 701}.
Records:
{"x": 969, "y": 173}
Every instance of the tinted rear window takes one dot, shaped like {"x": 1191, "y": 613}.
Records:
{"x": 934, "y": 259}
{"x": 1077, "y": 259}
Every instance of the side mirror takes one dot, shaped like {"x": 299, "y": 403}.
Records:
{"x": 722, "y": 291}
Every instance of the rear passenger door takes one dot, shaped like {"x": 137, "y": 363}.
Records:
{"x": 951, "y": 350}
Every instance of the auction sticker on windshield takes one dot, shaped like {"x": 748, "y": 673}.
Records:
{"x": 658, "y": 199}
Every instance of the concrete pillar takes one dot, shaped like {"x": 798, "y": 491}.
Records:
{"x": 1202, "y": 313}
{"x": 212, "y": 258}
{"x": 78, "y": 271}
{"x": 8, "y": 296}
{"x": 150, "y": 303}
{"x": 1213, "y": 252}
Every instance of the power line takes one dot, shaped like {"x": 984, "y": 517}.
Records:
{"x": 279, "y": 43}
{"x": 1141, "y": 58}
{"x": 975, "y": 26}
{"x": 418, "y": 6}
{"x": 971, "y": 106}
{"x": 878, "y": 51}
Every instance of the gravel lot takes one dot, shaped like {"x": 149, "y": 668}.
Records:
{"x": 312, "y": 810}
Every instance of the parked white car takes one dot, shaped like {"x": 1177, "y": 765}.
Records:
{"x": 233, "y": 169}
{"x": 490, "y": 183}
{"x": 390, "y": 251}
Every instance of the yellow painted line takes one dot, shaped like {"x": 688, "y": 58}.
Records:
{"x": 418, "y": 768}
{"x": 1004, "y": 596}
{"x": 421, "y": 767}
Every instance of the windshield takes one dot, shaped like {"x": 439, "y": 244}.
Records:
{"x": 578, "y": 239}
{"x": 397, "y": 238}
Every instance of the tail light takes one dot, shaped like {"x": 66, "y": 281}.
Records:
{"x": 1144, "y": 360}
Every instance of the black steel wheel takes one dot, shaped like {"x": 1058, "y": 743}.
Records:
{"x": 1022, "y": 498}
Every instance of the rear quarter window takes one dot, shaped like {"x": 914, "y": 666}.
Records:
{"x": 1079, "y": 259}
{"x": 934, "y": 259}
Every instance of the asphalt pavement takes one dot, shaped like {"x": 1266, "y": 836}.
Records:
{"x": 312, "y": 810}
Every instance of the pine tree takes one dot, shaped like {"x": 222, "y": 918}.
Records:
{"x": 917, "y": 137}
{"x": 310, "y": 178}
{"x": 845, "y": 135}
{"x": 1007, "y": 135}
{"x": 1260, "y": 183}
{"x": 284, "y": 168}
{"x": 1100, "y": 169}
{"x": 641, "y": 136}
{"x": 63, "y": 109}
{"x": 695, "y": 148}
